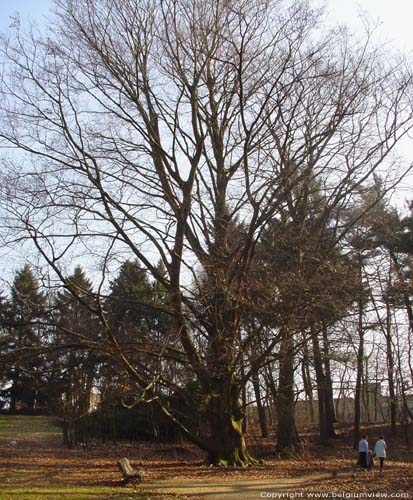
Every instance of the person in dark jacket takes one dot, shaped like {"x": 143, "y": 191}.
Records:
{"x": 363, "y": 451}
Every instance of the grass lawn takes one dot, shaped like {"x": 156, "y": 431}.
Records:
{"x": 33, "y": 466}
{"x": 66, "y": 493}
{"x": 16, "y": 425}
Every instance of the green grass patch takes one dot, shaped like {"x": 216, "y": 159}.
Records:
{"x": 67, "y": 493}
{"x": 15, "y": 425}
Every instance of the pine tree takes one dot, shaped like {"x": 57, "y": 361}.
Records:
{"x": 26, "y": 313}
{"x": 135, "y": 308}
{"x": 77, "y": 332}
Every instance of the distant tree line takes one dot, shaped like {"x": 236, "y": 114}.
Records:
{"x": 350, "y": 314}
{"x": 53, "y": 360}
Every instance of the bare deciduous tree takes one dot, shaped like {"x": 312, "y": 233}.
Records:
{"x": 153, "y": 127}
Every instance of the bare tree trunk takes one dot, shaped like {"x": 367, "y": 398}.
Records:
{"x": 272, "y": 392}
{"x": 330, "y": 411}
{"x": 359, "y": 376}
{"x": 409, "y": 312}
{"x": 406, "y": 415}
{"x": 386, "y": 327}
{"x": 326, "y": 424}
{"x": 227, "y": 444}
{"x": 14, "y": 390}
{"x": 308, "y": 386}
{"x": 261, "y": 411}
{"x": 271, "y": 383}
{"x": 288, "y": 440}
{"x": 390, "y": 371}
{"x": 243, "y": 395}
{"x": 341, "y": 392}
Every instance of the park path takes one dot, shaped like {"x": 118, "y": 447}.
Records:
{"x": 244, "y": 489}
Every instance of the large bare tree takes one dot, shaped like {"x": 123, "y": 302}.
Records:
{"x": 154, "y": 127}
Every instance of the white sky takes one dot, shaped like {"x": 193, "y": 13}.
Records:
{"x": 28, "y": 9}
{"x": 396, "y": 15}
{"x": 396, "y": 27}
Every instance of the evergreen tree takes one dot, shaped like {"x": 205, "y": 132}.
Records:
{"x": 24, "y": 317}
{"x": 77, "y": 333}
{"x": 137, "y": 319}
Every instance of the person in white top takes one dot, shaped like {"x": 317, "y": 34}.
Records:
{"x": 380, "y": 451}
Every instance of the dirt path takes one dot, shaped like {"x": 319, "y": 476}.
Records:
{"x": 229, "y": 490}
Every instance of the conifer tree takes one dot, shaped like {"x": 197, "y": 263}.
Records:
{"x": 26, "y": 314}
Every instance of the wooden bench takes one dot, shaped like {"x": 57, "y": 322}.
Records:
{"x": 129, "y": 474}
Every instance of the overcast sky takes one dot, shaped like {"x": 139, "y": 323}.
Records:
{"x": 396, "y": 15}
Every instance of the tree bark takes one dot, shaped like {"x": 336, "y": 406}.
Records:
{"x": 308, "y": 386}
{"x": 324, "y": 392}
{"x": 15, "y": 391}
{"x": 359, "y": 375}
{"x": 329, "y": 386}
{"x": 288, "y": 439}
{"x": 243, "y": 396}
{"x": 227, "y": 445}
{"x": 261, "y": 410}
{"x": 390, "y": 372}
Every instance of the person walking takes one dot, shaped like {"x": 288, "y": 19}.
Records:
{"x": 380, "y": 451}
{"x": 363, "y": 451}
